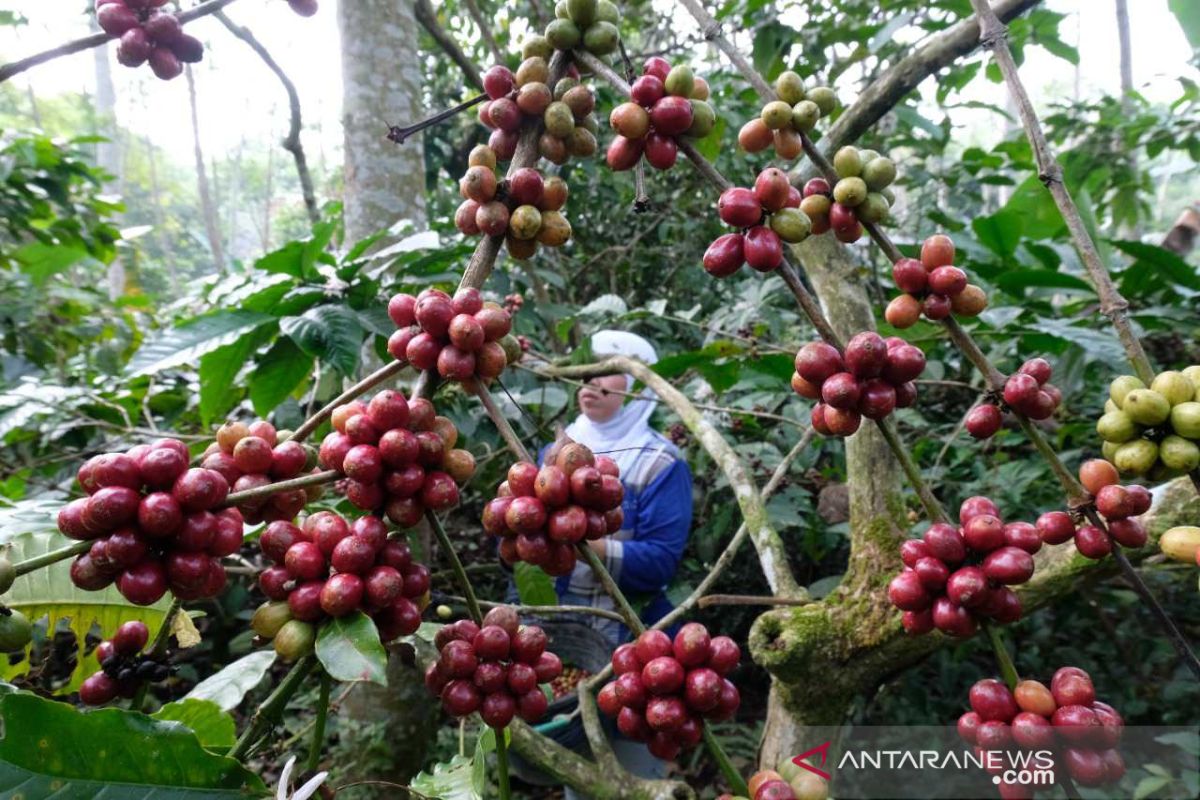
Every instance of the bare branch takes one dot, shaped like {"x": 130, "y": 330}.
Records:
{"x": 485, "y": 31}
{"x": 425, "y": 15}
{"x": 291, "y": 142}
{"x": 95, "y": 40}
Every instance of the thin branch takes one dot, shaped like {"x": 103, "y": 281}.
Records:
{"x": 291, "y": 142}
{"x": 536, "y": 610}
{"x": 485, "y": 30}
{"x": 751, "y": 600}
{"x": 456, "y": 565}
{"x": 368, "y": 383}
{"x": 53, "y": 557}
{"x": 95, "y": 40}
{"x": 272, "y": 708}
{"x": 1112, "y": 304}
{"x": 423, "y": 10}
{"x": 303, "y": 482}
{"x": 501, "y": 422}
{"x": 628, "y": 615}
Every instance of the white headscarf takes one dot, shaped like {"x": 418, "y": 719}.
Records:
{"x": 627, "y": 437}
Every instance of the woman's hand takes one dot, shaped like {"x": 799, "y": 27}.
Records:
{"x": 599, "y": 546}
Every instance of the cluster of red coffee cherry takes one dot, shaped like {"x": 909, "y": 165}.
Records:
{"x": 768, "y": 215}
{"x": 154, "y": 524}
{"x": 1116, "y": 503}
{"x": 664, "y": 103}
{"x": 872, "y": 379}
{"x": 1027, "y": 391}
{"x": 1066, "y": 719}
{"x": 148, "y": 35}
{"x": 460, "y": 336}
{"x": 523, "y": 97}
{"x": 955, "y": 577}
{"x": 250, "y": 457}
{"x": 122, "y": 666}
{"x": 541, "y": 514}
{"x": 860, "y": 195}
{"x": 399, "y": 458}
{"x": 495, "y": 669}
{"x": 331, "y": 567}
{"x": 664, "y": 689}
{"x": 932, "y": 286}
{"x": 526, "y": 209}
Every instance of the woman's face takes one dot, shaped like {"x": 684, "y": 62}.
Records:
{"x": 600, "y": 405}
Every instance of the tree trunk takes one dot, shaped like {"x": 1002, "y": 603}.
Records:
{"x": 877, "y": 512}
{"x": 108, "y": 153}
{"x": 208, "y": 210}
{"x": 383, "y": 184}
{"x": 1126, "y": 61}
{"x": 381, "y": 79}
{"x": 160, "y": 219}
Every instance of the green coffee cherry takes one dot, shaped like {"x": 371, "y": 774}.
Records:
{"x": 444, "y": 612}
{"x": 295, "y": 640}
{"x": 790, "y": 87}
{"x": 1122, "y": 386}
{"x": 680, "y": 81}
{"x": 847, "y": 162}
{"x": 1136, "y": 457}
{"x": 1117, "y": 426}
{"x": 563, "y": 34}
{"x": 582, "y": 12}
{"x": 824, "y": 97}
{"x": 850, "y": 192}
{"x": 601, "y": 38}
{"x": 269, "y": 618}
{"x": 1175, "y": 386}
{"x": 1146, "y": 407}
{"x": 8, "y": 574}
{"x": 879, "y": 173}
{"x": 1179, "y": 454}
{"x": 704, "y": 119}
{"x": 607, "y": 11}
{"x": 537, "y": 46}
{"x": 776, "y": 114}
{"x": 805, "y": 115}
{"x": 1185, "y": 421}
{"x": 791, "y": 224}
{"x": 874, "y": 209}
{"x": 15, "y": 631}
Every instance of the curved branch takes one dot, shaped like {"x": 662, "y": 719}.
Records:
{"x": 485, "y": 31}
{"x": 95, "y": 40}
{"x": 771, "y": 552}
{"x": 423, "y": 10}
{"x": 291, "y": 142}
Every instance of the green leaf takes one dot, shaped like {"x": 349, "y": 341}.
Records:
{"x": 279, "y": 371}
{"x": 710, "y": 145}
{"x": 49, "y": 592}
{"x": 213, "y": 727}
{"x": 189, "y": 341}
{"x": 227, "y": 687}
{"x": 1016, "y": 280}
{"x": 41, "y": 261}
{"x": 449, "y": 781}
{"x": 1149, "y": 256}
{"x": 219, "y": 388}
{"x": 1188, "y": 14}
{"x": 328, "y": 332}
{"x": 1034, "y": 205}
{"x": 350, "y": 650}
{"x": 284, "y": 261}
{"x": 54, "y": 749}
{"x": 534, "y": 586}
{"x": 313, "y": 248}
{"x": 1148, "y": 786}
{"x": 1000, "y": 232}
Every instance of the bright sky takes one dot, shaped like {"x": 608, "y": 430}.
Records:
{"x": 240, "y": 98}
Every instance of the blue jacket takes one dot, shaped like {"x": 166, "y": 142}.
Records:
{"x": 645, "y": 554}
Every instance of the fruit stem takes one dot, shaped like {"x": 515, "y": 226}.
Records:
{"x": 502, "y": 764}
{"x": 1008, "y": 670}
{"x": 1164, "y": 620}
{"x": 1068, "y": 785}
{"x": 460, "y": 574}
{"x": 271, "y": 708}
{"x": 595, "y": 612}
{"x": 318, "y": 736}
{"x": 606, "y": 580}
{"x": 501, "y": 422}
{"x": 994, "y": 34}
{"x": 932, "y": 507}
{"x": 736, "y": 783}
{"x": 158, "y": 648}
{"x": 54, "y": 556}
{"x": 315, "y": 479}
{"x": 365, "y": 385}
{"x": 398, "y": 134}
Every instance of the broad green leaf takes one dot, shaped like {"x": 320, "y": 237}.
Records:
{"x": 328, "y": 332}
{"x": 1174, "y": 268}
{"x": 534, "y": 586}
{"x": 1016, "y": 280}
{"x": 49, "y": 592}
{"x": 1000, "y": 232}
{"x": 213, "y": 727}
{"x": 29, "y": 516}
{"x": 710, "y": 145}
{"x": 186, "y": 343}
{"x": 219, "y": 389}
{"x": 41, "y": 261}
{"x": 286, "y": 260}
{"x": 279, "y": 371}
{"x": 349, "y": 649}
{"x": 453, "y": 780}
{"x": 227, "y": 687}
{"x": 1188, "y": 14}
{"x": 69, "y": 753}
{"x": 1035, "y": 206}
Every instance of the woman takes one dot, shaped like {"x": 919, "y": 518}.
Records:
{"x": 643, "y": 556}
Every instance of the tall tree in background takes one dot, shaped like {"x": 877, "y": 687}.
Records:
{"x": 381, "y": 78}
{"x": 384, "y": 183}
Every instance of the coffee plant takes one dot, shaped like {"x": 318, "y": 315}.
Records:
{"x": 337, "y": 536}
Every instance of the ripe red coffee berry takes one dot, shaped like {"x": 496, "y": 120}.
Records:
{"x": 975, "y": 506}
{"x": 907, "y": 593}
{"x": 992, "y": 700}
{"x": 967, "y": 587}
{"x": 341, "y": 594}
{"x": 984, "y": 421}
{"x": 663, "y": 675}
{"x": 130, "y": 638}
{"x": 652, "y": 644}
{"x": 1009, "y": 566}
{"x": 912, "y": 551}
{"x": 945, "y": 542}
{"x": 1055, "y": 527}
{"x": 933, "y": 574}
{"x": 693, "y": 645}
{"x": 724, "y": 655}
{"x": 304, "y": 561}
{"x": 1092, "y": 542}
{"x": 983, "y": 533}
